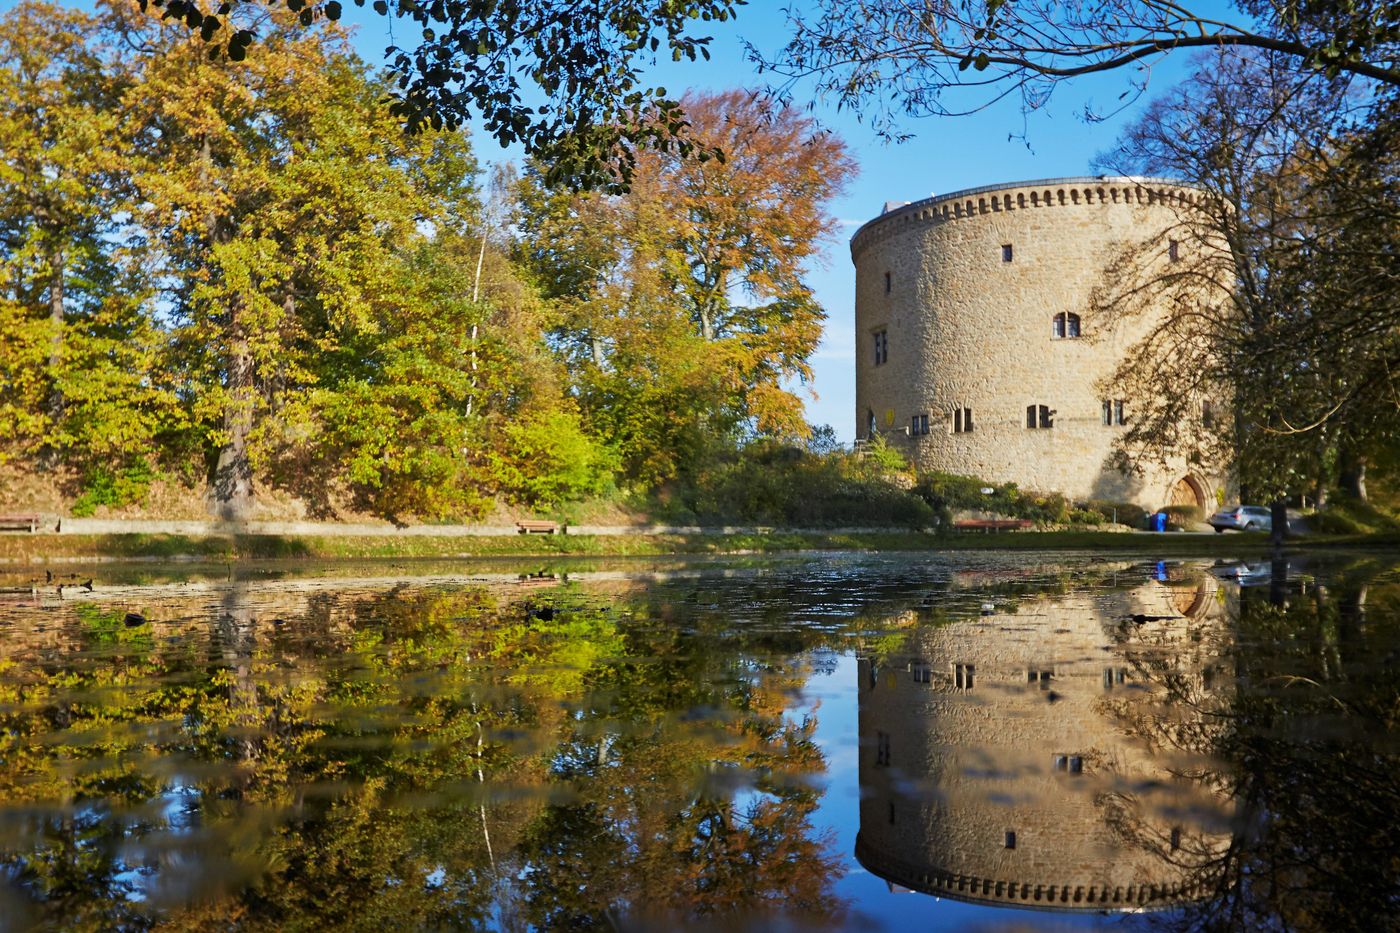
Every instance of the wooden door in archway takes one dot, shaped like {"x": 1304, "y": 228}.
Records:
{"x": 1187, "y": 491}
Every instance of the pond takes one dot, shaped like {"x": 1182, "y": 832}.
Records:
{"x": 836, "y": 741}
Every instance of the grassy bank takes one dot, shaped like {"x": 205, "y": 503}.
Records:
{"x": 33, "y": 548}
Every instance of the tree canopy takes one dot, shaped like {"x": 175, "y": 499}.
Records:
{"x": 564, "y": 79}
{"x": 243, "y": 273}
{"x": 887, "y": 58}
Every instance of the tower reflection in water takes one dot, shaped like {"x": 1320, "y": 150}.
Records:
{"x": 1032, "y": 755}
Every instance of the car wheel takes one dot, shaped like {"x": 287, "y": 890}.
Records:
{"x": 1218, "y": 530}
{"x": 1248, "y": 526}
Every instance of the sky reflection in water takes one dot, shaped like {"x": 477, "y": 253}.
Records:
{"x": 865, "y": 742}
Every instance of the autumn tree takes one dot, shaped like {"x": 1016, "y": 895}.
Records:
{"x": 1281, "y": 328}
{"x": 290, "y": 211}
{"x": 562, "y": 79}
{"x": 79, "y": 341}
{"x": 683, "y": 305}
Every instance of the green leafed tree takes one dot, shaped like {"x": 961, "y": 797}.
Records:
{"x": 81, "y": 367}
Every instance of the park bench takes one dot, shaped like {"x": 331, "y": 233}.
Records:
{"x": 993, "y": 524}
{"x": 531, "y": 526}
{"x": 20, "y": 521}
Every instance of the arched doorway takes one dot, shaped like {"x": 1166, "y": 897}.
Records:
{"x": 1188, "y": 491}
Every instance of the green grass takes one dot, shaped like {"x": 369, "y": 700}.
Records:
{"x": 28, "y": 548}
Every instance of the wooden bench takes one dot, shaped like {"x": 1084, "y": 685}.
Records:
{"x": 532, "y": 526}
{"x": 20, "y": 521}
{"x": 993, "y": 524}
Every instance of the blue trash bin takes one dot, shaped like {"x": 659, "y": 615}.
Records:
{"x": 1159, "y": 521}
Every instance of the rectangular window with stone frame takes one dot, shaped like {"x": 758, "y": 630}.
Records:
{"x": 962, "y": 420}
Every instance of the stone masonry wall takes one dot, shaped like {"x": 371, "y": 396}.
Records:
{"x": 967, "y": 329}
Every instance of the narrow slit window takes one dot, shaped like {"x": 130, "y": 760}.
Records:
{"x": 1173, "y": 250}
{"x": 1006, "y": 252}
{"x": 882, "y": 749}
{"x": 889, "y": 284}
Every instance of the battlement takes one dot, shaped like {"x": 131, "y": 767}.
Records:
{"x": 1025, "y": 195}
{"x": 1033, "y": 894}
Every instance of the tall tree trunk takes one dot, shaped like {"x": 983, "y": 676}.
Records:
{"x": 1279, "y": 516}
{"x": 233, "y": 475}
{"x": 1353, "y": 472}
{"x": 57, "y": 298}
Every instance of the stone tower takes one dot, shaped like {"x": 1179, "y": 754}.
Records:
{"x": 1032, "y": 757}
{"x": 975, "y": 352}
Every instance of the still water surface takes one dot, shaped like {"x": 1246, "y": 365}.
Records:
{"x": 871, "y": 742}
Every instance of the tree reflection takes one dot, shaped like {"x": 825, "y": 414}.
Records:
{"x": 414, "y": 758}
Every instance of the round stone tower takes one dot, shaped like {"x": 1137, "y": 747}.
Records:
{"x": 976, "y": 352}
{"x": 1032, "y": 757}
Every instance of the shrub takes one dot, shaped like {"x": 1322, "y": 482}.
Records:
{"x": 1124, "y": 513}
{"x": 549, "y": 460}
{"x": 1183, "y": 514}
{"x": 103, "y": 485}
{"x": 770, "y": 482}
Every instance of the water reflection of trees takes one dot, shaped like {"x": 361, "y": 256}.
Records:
{"x": 434, "y": 758}
{"x": 1311, "y": 738}
{"x": 415, "y": 758}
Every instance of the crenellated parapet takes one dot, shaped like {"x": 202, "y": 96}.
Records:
{"x": 1027, "y": 195}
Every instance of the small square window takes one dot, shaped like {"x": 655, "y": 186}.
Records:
{"x": 962, "y": 420}
{"x": 1076, "y": 764}
{"x": 1009, "y": 841}
{"x": 918, "y": 424}
{"x": 964, "y": 676}
{"x": 921, "y": 672}
{"x": 1006, "y": 252}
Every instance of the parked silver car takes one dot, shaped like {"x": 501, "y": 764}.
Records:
{"x": 1242, "y": 518}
